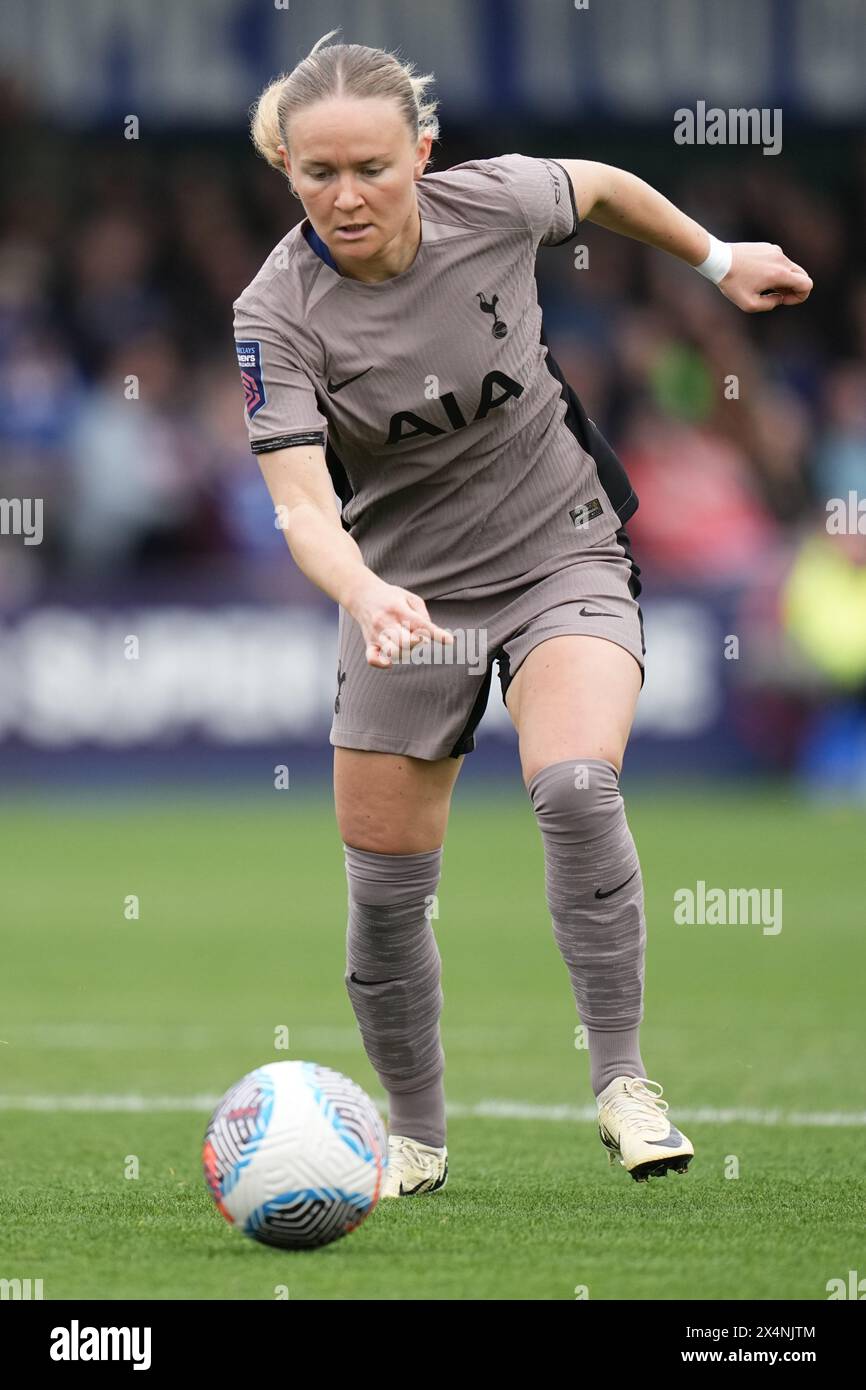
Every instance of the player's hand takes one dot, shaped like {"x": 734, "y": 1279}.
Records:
{"x": 393, "y": 620}
{"x": 761, "y": 277}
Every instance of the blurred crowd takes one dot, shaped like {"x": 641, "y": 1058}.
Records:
{"x": 120, "y": 402}
{"x": 121, "y": 406}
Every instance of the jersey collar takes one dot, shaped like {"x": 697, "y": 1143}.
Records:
{"x": 321, "y": 250}
{"x": 314, "y": 241}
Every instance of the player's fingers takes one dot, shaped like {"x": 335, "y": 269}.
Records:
{"x": 384, "y": 642}
{"x": 424, "y": 631}
{"x": 795, "y": 279}
{"x": 766, "y": 300}
{"x": 787, "y": 289}
{"x": 426, "y": 625}
{"x": 415, "y": 628}
{"x": 396, "y": 638}
{"x": 406, "y": 638}
{"x": 791, "y": 279}
{"x": 389, "y": 641}
{"x": 375, "y": 656}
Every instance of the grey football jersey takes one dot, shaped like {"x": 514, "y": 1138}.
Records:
{"x": 451, "y": 436}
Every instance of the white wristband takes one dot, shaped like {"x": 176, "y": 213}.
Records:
{"x": 718, "y": 262}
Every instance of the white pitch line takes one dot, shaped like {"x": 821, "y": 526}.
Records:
{"x": 481, "y": 1110}
{"x": 117, "y": 1037}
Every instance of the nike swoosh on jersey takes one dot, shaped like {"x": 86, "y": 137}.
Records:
{"x": 585, "y": 614}
{"x": 334, "y": 386}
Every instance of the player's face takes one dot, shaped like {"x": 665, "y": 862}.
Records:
{"x": 354, "y": 165}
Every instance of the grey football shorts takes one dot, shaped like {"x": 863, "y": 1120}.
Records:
{"x": 431, "y": 708}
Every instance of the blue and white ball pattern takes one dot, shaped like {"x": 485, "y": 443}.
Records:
{"x": 295, "y": 1155}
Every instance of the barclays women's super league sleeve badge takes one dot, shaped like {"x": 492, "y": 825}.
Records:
{"x": 250, "y": 363}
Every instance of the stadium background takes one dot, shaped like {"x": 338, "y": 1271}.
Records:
{"x": 121, "y": 256}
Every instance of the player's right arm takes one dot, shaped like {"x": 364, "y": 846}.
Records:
{"x": 280, "y": 403}
{"x": 390, "y": 617}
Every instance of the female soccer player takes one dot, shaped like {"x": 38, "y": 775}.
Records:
{"x": 391, "y": 349}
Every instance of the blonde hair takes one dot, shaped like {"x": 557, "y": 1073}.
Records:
{"x": 340, "y": 70}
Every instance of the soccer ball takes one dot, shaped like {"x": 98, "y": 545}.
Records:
{"x": 295, "y": 1155}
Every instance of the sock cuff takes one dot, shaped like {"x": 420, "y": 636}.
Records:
{"x": 388, "y": 878}
{"x": 568, "y": 768}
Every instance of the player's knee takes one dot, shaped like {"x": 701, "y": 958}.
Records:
{"x": 576, "y": 798}
{"x": 376, "y": 879}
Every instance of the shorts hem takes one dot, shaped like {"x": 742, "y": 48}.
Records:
{"x": 381, "y": 743}
{"x": 544, "y": 636}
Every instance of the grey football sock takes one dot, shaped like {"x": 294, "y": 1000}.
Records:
{"x": 613, "y": 1053}
{"x": 595, "y": 896}
{"x": 393, "y": 976}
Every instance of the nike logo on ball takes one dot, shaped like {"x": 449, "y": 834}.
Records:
{"x": 334, "y": 386}
{"x": 599, "y": 894}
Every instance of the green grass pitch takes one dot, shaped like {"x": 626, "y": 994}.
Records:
{"x": 242, "y": 931}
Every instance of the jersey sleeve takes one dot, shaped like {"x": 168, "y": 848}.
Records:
{"x": 280, "y": 406}
{"x": 543, "y": 196}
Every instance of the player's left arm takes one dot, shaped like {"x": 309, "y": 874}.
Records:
{"x": 760, "y": 276}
